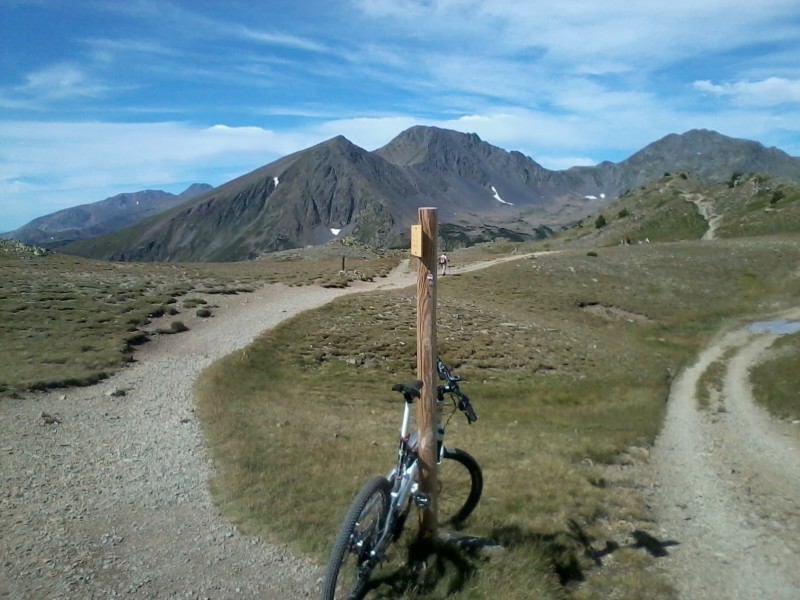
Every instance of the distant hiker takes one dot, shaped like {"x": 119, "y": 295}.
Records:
{"x": 443, "y": 262}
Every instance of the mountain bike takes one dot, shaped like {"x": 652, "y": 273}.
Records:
{"x": 378, "y": 514}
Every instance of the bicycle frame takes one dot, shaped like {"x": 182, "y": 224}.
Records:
{"x": 404, "y": 481}
{"x": 392, "y": 496}
{"x": 403, "y": 476}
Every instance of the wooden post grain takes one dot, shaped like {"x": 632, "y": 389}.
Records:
{"x": 427, "y": 415}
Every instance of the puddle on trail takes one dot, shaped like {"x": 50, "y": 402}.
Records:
{"x": 777, "y": 327}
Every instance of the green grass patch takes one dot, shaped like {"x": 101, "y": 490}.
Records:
{"x": 777, "y": 379}
{"x": 73, "y": 321}
{"x": 301, "y": 418}
{"x": 710, "y": 384}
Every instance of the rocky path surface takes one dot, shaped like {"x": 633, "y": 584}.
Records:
{"x": 728, "y": 484}
{"x": 106, "y": 494}
{"x": 706, "y": 210}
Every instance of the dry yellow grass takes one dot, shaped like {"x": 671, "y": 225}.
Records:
{"x": 302, "y": 418}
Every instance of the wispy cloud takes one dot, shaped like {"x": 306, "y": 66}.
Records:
{"x": 565, "y": 83}
{"x": 272, "y": 38}
{"x": 58, "y": 82}
{"x": 768, "y": 92}
{"x": 109, "y": 158}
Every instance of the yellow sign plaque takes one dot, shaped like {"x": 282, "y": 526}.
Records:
{"x": 416, "y": 241}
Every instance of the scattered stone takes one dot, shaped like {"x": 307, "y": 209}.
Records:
{"x": 48, "y": 419}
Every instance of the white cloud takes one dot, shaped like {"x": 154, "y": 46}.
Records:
{"x": 369, "y": 133}
{"x": 584, "y": 37}
{"x": 276, "y": 39}
{"x": 768, "y": 92}
{"x": 55, "y": 83}
{"x": 560, "y": 163}
{"x": 60, "y": 164}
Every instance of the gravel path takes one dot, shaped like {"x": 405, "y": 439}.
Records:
{"x": 113, "y": 500}
{"x": 728, "y": 484}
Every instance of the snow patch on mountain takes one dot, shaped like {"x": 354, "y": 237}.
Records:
{"x": 498, "y": 198}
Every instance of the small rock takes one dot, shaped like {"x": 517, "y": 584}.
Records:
{"x": 48, "y": 419}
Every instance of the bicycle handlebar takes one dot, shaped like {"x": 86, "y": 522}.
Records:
{"x": 412, "y": 390}
{"x": 444, "y": 371}
{"x": 451, "y": 387}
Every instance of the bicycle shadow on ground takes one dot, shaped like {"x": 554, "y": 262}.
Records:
{"x": 572, "y": 551}
{"x": 446, "y": 566}
{"x": 442, "y": 568}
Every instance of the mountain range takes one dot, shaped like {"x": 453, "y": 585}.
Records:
{"x": 101, "y": 218}
{"x": 337, "y": 189}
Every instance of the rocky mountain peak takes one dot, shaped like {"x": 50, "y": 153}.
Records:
{"x": 336, "y": 188}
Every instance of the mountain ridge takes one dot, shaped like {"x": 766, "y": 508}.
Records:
{"x": 103, "y": 217}
{"x": 336, "y": 188}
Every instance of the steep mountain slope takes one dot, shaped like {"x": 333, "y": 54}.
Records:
{"x": 337, "y": 188}
{"x": 307, "y": 198}
{"x": 468, "y": 174}
{"x": 103, "y": 217}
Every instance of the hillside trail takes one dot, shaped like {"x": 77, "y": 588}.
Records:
{"x": 104, "y": 489}
{"x": 706, "y": 210}
{"x": 727, "y": 482}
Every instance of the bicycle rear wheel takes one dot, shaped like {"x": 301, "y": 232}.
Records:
{"x": 348, "y": 570}
{"x": 460, "y": 486}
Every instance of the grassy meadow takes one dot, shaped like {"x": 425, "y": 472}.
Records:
{"x": 73, "y": 321}
{"x": 568, "y": 359}
{"x": 775, "y": 379}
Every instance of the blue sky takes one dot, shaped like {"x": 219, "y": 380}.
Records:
{"x": 99, "y": 97}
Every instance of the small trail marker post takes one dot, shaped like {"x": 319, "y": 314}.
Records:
{"x": 423, "y": 246}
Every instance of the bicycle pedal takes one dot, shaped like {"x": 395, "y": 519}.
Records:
{"x": 422, "y": 500}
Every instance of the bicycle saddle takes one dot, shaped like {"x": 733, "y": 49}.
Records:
{"x": 409, "y": 390}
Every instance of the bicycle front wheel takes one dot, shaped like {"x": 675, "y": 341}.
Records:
{"x": 348, "y": 568}
{"x": 460, "y": 486}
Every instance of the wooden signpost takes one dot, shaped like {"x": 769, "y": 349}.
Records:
{"x": 423, "y": 246}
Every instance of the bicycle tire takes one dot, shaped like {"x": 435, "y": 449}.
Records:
{"x": 455, "y": 506}
{"x": 360, "y": 530}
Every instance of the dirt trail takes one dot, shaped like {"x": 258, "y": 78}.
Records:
{"x": 113, "y": 500}
{"x": 706, "y": 209}
{"x": 728, "y": 484}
